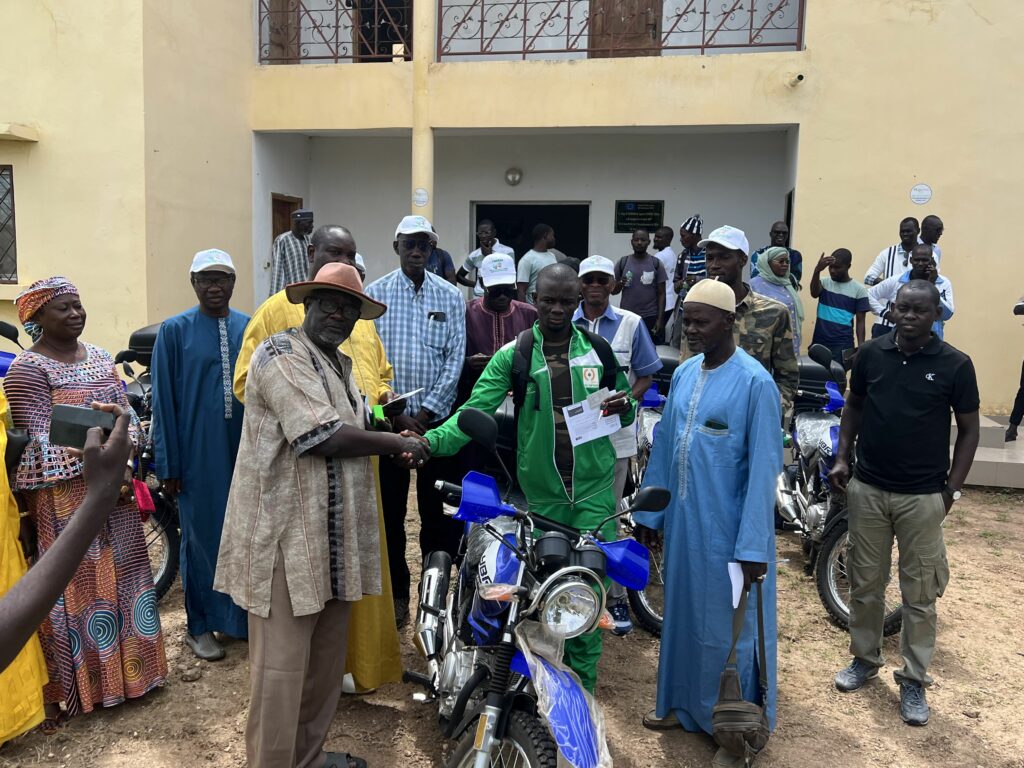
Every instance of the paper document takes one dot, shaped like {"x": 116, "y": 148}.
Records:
{"x": 585, "y": 421}
{"x": 405, "y": 396}
{"x": 736, "y": 577}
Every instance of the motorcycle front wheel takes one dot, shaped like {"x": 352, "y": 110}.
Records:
{"x": 527, "y": 744}
{"x": 834, "y": 585}
{"x": 163, "y": 544}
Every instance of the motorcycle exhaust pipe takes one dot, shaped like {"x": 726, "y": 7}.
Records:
{"x": 785, "y": 499}
{"x": 432, "y": 595}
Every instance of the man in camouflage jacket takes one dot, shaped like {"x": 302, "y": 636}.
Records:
{"x": 762, "y": 327}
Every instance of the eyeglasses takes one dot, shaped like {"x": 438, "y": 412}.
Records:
{"x": 333, "y": 306}
{"x": 206, "y": 281}
{"x": 599, "y": 279}
{"x": 413, "y": 243}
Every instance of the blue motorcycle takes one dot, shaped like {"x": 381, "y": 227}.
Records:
{"x": 493, "y": 641}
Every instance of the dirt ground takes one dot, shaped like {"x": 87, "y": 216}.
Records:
{"x": 976, "y": 701}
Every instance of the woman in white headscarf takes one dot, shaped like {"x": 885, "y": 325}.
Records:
{"x": 776, "y": 283}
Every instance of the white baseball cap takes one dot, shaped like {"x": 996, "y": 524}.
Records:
{"x": 413, "y": 225}
{"x": 212, "y": 258}
{"x": 498, "y": 269}
{"x": 729, "y": 237}
{"x": 597, "y": 264}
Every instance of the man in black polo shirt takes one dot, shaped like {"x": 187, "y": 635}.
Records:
{"x": 902, "y": 389}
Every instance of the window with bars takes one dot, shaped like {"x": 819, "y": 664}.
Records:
{"x": 8, "y": 241}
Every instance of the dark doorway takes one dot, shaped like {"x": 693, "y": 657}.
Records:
{"x": 282, "y": 207}
{"x": 515, "y": 223}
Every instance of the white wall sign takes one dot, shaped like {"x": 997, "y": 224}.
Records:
{"x": 420, "y": 197}
{"x": 920, "y": 194}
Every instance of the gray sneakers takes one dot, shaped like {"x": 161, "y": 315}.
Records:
{"x": 855, "y": 675}
{"x": 913, "y": 704}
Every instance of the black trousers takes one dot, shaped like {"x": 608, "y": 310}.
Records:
{"x": 1018, "y": 402}
{"x": 437, "y": 531}
{"x": 650, "y": 323}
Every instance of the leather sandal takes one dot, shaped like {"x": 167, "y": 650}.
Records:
{"x": 654, "y": 723}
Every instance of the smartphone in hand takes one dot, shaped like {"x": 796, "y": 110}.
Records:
{"x": 70, "y": 424}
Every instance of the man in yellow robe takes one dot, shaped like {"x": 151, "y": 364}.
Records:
{"x": 21, "y": 683}
{"x": 374, "y": 657}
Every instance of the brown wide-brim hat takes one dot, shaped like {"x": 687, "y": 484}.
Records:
{"x": 337, "y": 277}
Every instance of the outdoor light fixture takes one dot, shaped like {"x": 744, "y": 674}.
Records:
{"x": 513, "y": 176}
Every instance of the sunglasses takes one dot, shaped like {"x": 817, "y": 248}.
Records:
{"x": 599, "y": 279}
{"x": 205, "y": 281}
{"x": 501, "y": 290}
{"x": 412, "y": 244}
{"x": 333, "y": 306}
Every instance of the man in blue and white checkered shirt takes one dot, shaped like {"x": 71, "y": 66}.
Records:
{"x": 424, "y": 335}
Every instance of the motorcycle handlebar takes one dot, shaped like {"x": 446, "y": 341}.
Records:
{"x": 812, "y": 395}
{"x": 452, "y": 494}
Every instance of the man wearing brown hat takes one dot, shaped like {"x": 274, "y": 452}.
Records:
{"x": 301, "y": 541}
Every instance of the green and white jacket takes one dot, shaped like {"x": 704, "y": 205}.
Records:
{"x": 593, "y": 493}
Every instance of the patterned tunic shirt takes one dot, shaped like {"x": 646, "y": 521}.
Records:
{"x": 319, "y": 511}
{"x": 763, "y": 330}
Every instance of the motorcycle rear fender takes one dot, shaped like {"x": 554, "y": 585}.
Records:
{"x": 569, "y": 720}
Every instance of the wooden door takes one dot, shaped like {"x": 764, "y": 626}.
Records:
{"x": 625, "y": 28}
{"x": 281, "y": 208}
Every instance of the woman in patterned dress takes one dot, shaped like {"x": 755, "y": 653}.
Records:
{"x": 102, "y": 640}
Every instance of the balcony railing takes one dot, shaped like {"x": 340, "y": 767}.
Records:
{"x": 573, "y": 29}
{"x": 312, "y": 31}
{"x": 320, "y": 31}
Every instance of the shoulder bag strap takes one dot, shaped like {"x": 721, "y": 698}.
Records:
{"x": 737, "y": 627}
{"x": 737, "y": 630}
{"x": 762, "y": 660}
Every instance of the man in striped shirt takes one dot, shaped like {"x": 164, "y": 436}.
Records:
{"x": 289, "y": 259}
{"x": 424, "y": 333}
{"x": 895, "y": 260}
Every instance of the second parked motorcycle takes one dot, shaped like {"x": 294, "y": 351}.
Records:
{"x": 161, "y": 525}
{"x": 807, "y": 502}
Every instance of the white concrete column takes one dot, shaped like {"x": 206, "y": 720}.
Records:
{"x": 424, "y": 18}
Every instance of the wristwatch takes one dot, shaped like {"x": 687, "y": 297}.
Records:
{"x": 952, "y": 493}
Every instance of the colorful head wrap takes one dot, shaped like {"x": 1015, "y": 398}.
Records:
{"x": 37, "y": 296}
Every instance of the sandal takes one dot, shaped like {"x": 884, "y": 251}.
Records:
{"x": 51, "y": 725}
{"x": 654, "y": 723}
{"x": 343, "y": 760}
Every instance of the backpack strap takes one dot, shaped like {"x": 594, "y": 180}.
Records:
{"x": 521, "y": 367}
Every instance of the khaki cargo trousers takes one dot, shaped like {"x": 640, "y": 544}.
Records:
{"x": 916, "y": 522}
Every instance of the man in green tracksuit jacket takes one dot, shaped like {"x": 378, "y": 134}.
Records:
{"x": 573, "y": 486}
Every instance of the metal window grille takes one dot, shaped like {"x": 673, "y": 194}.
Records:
{"x": 8, "y": 241}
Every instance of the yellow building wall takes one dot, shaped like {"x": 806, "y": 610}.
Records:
{"x": 893, "y": 94}
{"x": 73, "y": 71}
{"x": 199, "y": 58}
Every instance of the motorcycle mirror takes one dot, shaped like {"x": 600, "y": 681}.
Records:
{"x": 820, "y": 354}
{"x": 651, "y": 499}
{"x": 124, "y": 356}
{"x": 9, "y": 332}
{"x": 481, "y": 427}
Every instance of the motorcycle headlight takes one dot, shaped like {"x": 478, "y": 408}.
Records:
{"x": 570, "y": 608}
